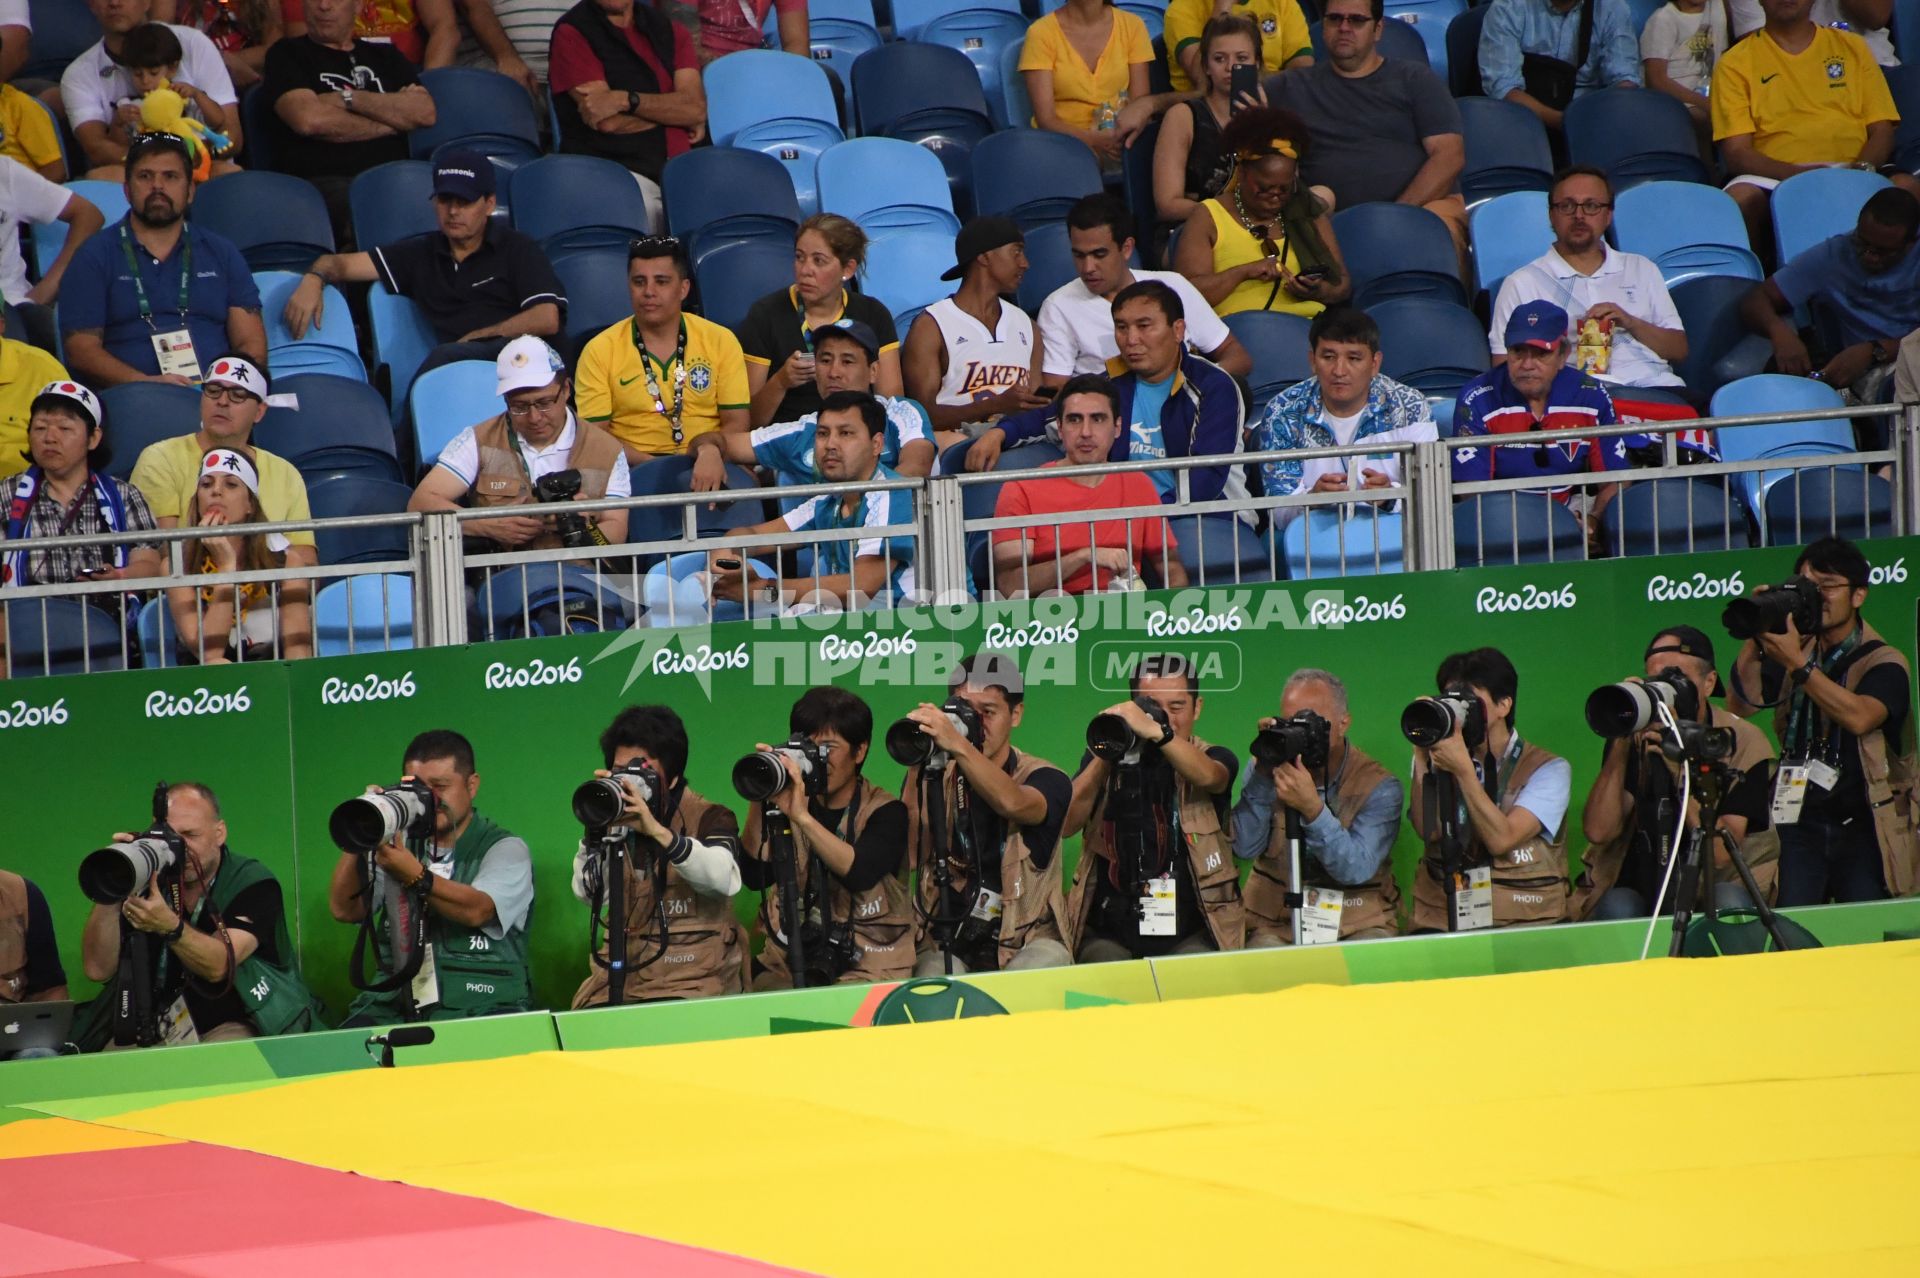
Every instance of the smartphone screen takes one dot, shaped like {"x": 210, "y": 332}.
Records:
{"x": 1246, "y": 79}
{"x": 731, "y": 565}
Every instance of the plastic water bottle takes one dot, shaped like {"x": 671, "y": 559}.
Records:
{"x": 1105, "y": 117}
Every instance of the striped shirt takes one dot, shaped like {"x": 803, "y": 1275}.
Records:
{"x": 529, "y": 26}
{"x": 1491, "y": 405}
{"x": 874, "y": 510}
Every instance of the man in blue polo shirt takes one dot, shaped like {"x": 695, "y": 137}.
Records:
{"x": 155, "y": 298}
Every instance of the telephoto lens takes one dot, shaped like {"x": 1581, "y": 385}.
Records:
{"x": 1431, "y": 720}
{"x": 1622, "y": 709}
{"x": 759, "y": 776}
{"x": 1768, "y": 611}
{"x": 366, "y": 821}
{"x": 120, "y": 870}
{"x": 599, "y": 802}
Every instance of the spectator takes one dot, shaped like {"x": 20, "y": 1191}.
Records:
{"x": 1067, "y": 554}
{"x": 64, "y": 493}
{"x": 243, "y": 31}
{"x": 1173, "y": 403}
{"x": 1532, "y": 390}
{"x": 1545, "y": 53}
{"x": 994, "y": 375}
{"x": 151, "y": 55}
{"x": 1867, "y": 19}
{"x": 627, "y": 88}
{"x": 1383, "y": 129}
{"x": 1284, "y": 42}
{"x": 1345, "y": 402}
{"x": 1189, "y": 164}
{"x": 33, "y": 971}
{"x": 255, "y": 621}
{"x": 778, "y": 332}
{"x": 232, "y": 402}
{"x": 479, "y": 284}
{"x": 424, "y": 31}
{"x": 1076, "y": 320}
{"x": 153, "y": 298}
{"x": 1626, "y": 331}
{"x": 29, "y": 136}
{"x": 664, "y": 381}
{"x": 1679, "y": 46}
{"x": 16, "y": 34}
{"x": 497, "y": 462}
{"x": 98, "y": 91}
{"x": 1795, "y": 97}
{"x": 343, "y": 104}
{"x": 720, "y": 27}
{"x": 24, "y": 371}
{"x": 513, "y": 36}
{"x": 1082, "y": 96}
{"x": 1265, "y": 243}
{"x": 1863, "y": 287}
{"x": 26, "y": 198}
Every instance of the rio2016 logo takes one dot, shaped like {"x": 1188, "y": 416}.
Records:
{"x": 534, "y": 674}
{"x": 1664, "y": 589}
{"x": 22, "y": 715}
{"x": 162, "y": 705}
{"x": 339, "y": 692}
{"x": 1529, "y": 598}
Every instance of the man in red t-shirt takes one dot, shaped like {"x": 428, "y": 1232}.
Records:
{"x": 1074, "y": 557}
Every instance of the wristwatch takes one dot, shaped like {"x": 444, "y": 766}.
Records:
{"x": 346, "y": 98}
{"x": 1165, "y": 737}
{"x": 633, "y": 102}
{"x": 1801, "y": 674}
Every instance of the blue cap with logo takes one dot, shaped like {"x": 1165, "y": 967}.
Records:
{"x": 1536, "y": 323}
{"x": 465, "y": 175}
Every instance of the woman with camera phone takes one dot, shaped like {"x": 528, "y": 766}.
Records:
{"x": 1189, "y": 164}
{"x": 254, "y": 621}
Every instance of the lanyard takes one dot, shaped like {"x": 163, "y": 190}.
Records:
{"x": 800, "y": 313}
{"x": 1503, "y": 774}
{"x": 679, "y": 363}
{"x": 140, "y": 286}
{"x": 1798, "y": 741}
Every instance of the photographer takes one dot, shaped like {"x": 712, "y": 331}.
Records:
{"x": 509, "y": 461}
{"x": 1015, "y": 805}
{"x": 850, "y": 843}
{"x": 1512, "y": 806}
{"x": 476, "y": 883}
{"x": 1843, "y": 801}
{"x": 214, "y": 924}
{"x": 1120, "y": 911}
{"x": 682, "y": 940}
{"x": 1629, "y": 818}
{"x": 1349, "y": 814}
{"x": 30, "y": 968}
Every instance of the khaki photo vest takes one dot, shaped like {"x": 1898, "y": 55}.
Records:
{"x": 13, "y": 938}
{"x": 882, "y": 916}
{"x": 1373, "y": 904}
{"x": 502, "y": 478}
{"x": 1529, "y": 882}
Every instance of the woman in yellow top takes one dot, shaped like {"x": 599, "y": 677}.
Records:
{"x": 1264, "y": 243}
{"x": 256, "y": 621}
{"x": 1083, "y": 63}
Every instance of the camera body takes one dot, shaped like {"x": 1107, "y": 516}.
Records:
{"x": 830, "y": 948}
{"x": 366, "y": 821}
{"x": 563, "y": 486}
{"x": 1769, "y": 611}
{"x": 1622, "y": 709}
{"x": 761, "y": 775}
{"x": 120, "y": 870}
{"x": 1431, "y": 720}
{"x": 1304, "y": 738}
{"x": 1109, "y": 737}
{"x": 599, "y": 802}
{"x": 909, "y": 745}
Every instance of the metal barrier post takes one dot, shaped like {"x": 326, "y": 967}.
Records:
{"x": 1906, "y": 446}
{"x": 943, "y": 539}
{"x": 440, "y": 584}
{"x": 1429, "y": 520}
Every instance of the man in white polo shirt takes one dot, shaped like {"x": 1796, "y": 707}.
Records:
{"x": 1076, "y": 320}
{"x": 16, "y": 30}
{"x": 1625, "y": 330}
{"x": 95, "y": 88}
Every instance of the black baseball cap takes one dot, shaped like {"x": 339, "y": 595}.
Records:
{"x": 854, "y": 331}
{"x": 154, "y": 143}
{"x": 1686, "y": 641}
{"x": 981, "y": 235}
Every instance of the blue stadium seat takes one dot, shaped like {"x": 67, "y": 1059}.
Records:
{"x": 62, "y": 31}
{"x": 391, "y": 202}
{"x": 718, "y": 193}
{"x": 1687, "y": 228}
{"x": 351, "y": 495}
{"x": 48, "y": 240}
{"x": 1049, "y": 264}
{"x": 1674, "y": 517}
{"x": 910, "y": 16}
{"x": 477, "y": 110}
{"x": 1507, "y": 150}
{"x": 402, "y": 340}
{"x": 1136, "y": 184}
{"x": 1323, "y": 543}
{"x": 928, "y": 94}
{"x": 734, "y": 276}
{"x": 571, "y": 202}
{"x": 1427, "y": 19}
{"x": 1278, "y": 345}
{"x": 1709, "y": 307}
{"x": 1032, "y": 176}
{"x": 982, "y": 30}
{"x": 1635, "y": 135}
{"x": 341, "y": 426}
{"x": 778, "y": 103}
{"x": 1434, "y": 347}
{"x": 1507, "y": 231}
{"x": 1776, "y": 393}
{"x": 60, "y": 132}
{"x": 1398, "y": 39}
{"x": 371, "y": 613}
{"x": 278, "y": 222}
{"x": 1638, "y": 11}
{"x": 672, "y": 600}
{"x": 1397, "y": 250}
{"x": 548, "y": 599}
{"x": 61, "y": 636}
{"x": 331, "y": 346}
{"x": 1847, "y": 503}
{"x": 903, "y": 271}
{"x": 1492, "y": 529}
{"x": 259, "y": 122}
{"x": 159, "y": 641}
{"x": 647, "y": 524}
{"x": 142, "y": 413}
{"x": 838, "y": 32}
{"x": 1463, "y": 52}
{"x": 1904, "y": 83}
{"x": 1906, "y": 32}
{"x": 1810, "y": 207}
{"x": 1013, "y": 109}
{"x": 447, "y": 400}
{"x": 1220, "y": 550}
{"x": 886, "y": 185}
{"x": 597, "y": 296}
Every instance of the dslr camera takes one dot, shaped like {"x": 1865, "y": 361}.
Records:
{"x": 1769, "y": 611}
{"x": 909, "y": 745}
{"x": 1305, "y": 739}
{"x": 366, "y": 821}
{"x": 598, "y": 803}
{"x": 829, "y": 947}
{"x": 761, "y": 775}
{"x": 573, "y": 530}
{"x": 120, "y": 870}
{"x": 1110, "y": 737}
{"x": 1622, "y": 709}
{"x": 1431, "y": 720}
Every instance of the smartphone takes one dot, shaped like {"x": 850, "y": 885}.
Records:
{"x": 1246, "y": 80}
{"x": 730, "y": 565}
{"x": 1313, "y": 276}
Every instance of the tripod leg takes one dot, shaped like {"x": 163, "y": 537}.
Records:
{"x": 1768, "y": 918}
{"x": 1688, "y": 875}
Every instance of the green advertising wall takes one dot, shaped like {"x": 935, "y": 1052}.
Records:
{"x": 283, "y": 743}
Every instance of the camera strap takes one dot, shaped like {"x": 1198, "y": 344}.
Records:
{"x": 413, "y": 919}
{"x": 1804, "y": 718}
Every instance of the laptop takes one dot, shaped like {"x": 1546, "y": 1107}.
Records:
{"x": 24, "y": 1026}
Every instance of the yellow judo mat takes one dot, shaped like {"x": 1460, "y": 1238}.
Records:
{"x": 1735, "y": 1116}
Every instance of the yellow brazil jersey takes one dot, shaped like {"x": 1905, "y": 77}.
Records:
{"x": 1810, "y": 107}
{"x": 1283, "y": 32}
{"x": 26, "y": 130}
{"x": 613, "y": 385}
{"x": 24, "y": 370}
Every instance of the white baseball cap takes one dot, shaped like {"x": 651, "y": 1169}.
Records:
{"x": 527, "y": 363}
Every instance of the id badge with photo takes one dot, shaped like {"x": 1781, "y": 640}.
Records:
{"x": 426, "y": 982}
{"x": 1821, "y": 773}
{"x": 176, "y": 1024}
{"x": 1473, "y": 899}
{"x": 1320, "y": 916}
{"x": 1789, "y": 793}
{"x": 1158, "y": 906}
{"x": 987, "y": 905}
{"x": 174, "y": 352}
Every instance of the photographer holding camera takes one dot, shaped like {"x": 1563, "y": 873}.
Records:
{"x": 1505, "y": 844}
{"x": 1349, "y": 811}
{"x": 1629, "y": 815}
{"x": 536, "y": 451}
{"x": 1843, "y": 799}
{"x": 849, "y": 848}
{"x": 470, "y": 890}
{"x": 990, "y": 883}
{"x": 188, "y": 935}
{"x": 1156, "y": 869}
{"x": 681, "y": 937}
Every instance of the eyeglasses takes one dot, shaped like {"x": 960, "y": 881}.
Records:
{"x": 1355, "y": 20}
{"x": 227, "y": 394}
{"x": 528, "y": 407}
{"x": 1566, "y": 208}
